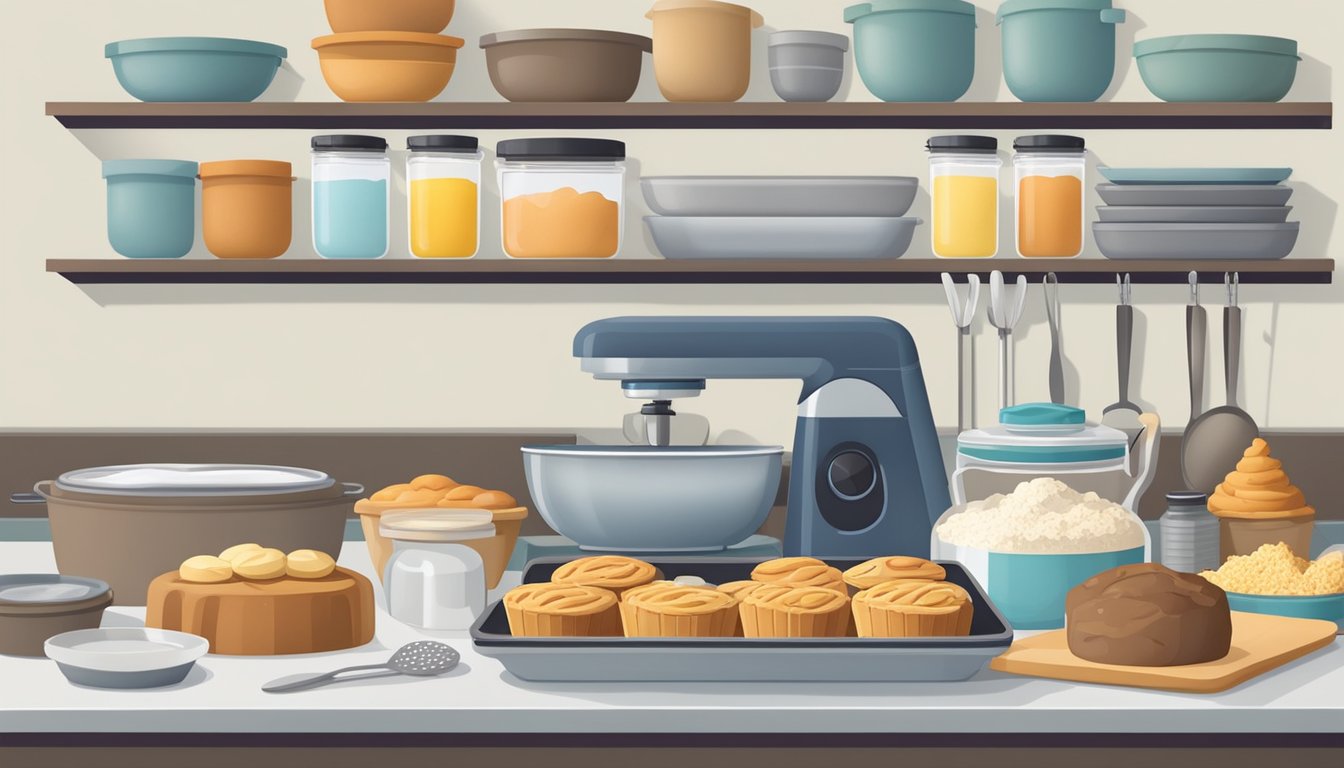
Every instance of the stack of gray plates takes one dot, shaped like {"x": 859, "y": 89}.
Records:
{"x": 781, "y": 217}
{"x": 1195, "y": 213}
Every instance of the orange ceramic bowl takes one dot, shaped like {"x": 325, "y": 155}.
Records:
{"x": 387, "y": 66}
{"x": 429, "y": 16}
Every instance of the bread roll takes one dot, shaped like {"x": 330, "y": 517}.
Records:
{"x": 260, "y": 565}
{"x": 205, "y": 569}
{"x": 309, "y": 564}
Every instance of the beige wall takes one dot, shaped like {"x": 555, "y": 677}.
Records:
{"x": 498, "y": 356}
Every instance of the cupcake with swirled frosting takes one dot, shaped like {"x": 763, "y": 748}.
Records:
{"x": 667, "y": 609}
{"x": 800, "y": 572}
{"x": 779, "y": 610}
{"x": 897, "y": 567}
{"x": 562, "y": 610}
{"x": 913, "y": 608}
{"x": 610, "y": 572}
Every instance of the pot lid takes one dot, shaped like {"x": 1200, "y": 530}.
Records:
{"x": 184, "y": 168}
{"x": 193, "y": 480}
{"x": 560, "y": 149}
{"x": 277, "y": 168}
{"x": 1252, "y": 43}
{"x": 1010, "y": 7}
{"x": 595, "y": 35}
{"x": 410, "y": 38}
{"x": 710, "y": 5}
{"x": 49, "y": 592}
{"x": 437, "y": 525}
{"x": 654, "y": 451}
{"x": 809, "y": 37}
{"x": 855, "y": 12}
{"x": 217, "y": 44}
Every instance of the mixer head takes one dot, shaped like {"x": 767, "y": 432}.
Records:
{"x": 657, "y": 413}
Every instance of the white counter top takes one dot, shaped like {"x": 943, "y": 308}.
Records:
{"x": 222, "y": 695}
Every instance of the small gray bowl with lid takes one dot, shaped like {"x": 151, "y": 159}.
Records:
{"x": 807, "y": 65}
{"x": 37, "y": 606}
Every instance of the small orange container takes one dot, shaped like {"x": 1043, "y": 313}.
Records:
{"x": 247, "y": 208}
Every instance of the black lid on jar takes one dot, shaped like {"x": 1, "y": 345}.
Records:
{"x": 350, "y": 143}
{"x": 445, "y": 143}
{"x": 1187, "y": 498}
{"x": 560, "y": 149}
{"x": 980, "y": 144}
{"x": 1050, "y": 142}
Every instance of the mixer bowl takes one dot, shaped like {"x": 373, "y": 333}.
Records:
{"x": 635, "y": 498}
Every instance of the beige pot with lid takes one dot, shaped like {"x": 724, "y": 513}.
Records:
{"x": 702, "y": 49}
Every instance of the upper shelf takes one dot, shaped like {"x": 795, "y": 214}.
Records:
{"x": 661, "y": 271}
{"x": 750, "y": 115}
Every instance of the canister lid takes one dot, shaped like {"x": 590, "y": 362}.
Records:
{"x": 49, "y": 592}
{"x": 443, "y": 143}
{"x": 441, "y": 525}
{"x": 1010, "y": 7}
{"x": 1050, "y": 142}
{"x": 809, "y": 37}
{"x": 185, "y": 168}
{"x": 350, "y": 143}
{"x": 1280, "y": 46}
{"x": 855, "y": 12}
{"x": 560, "y": 149}
{"x": 976, "y": 144}
{"x": 247, "y": 168}
{"x": 1187, "y": 498}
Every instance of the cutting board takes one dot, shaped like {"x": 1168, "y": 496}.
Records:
{"x": 267, "y": 618}
{"x": 1259, "y": 643}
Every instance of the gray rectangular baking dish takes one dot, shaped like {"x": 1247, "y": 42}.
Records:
{"x": 1194, "y": 194}
{"x": 1250, "y": 242}
{"x": 736, "y": 659}
{"x": 724, "y": 237}
{"x": 780, "y": 195}
{"x": 1194, "y": 214}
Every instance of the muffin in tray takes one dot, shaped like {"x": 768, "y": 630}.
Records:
{"x": 739, "y": 590}
{"x": 800, "y": 572}
{"x": 610, "y": 572}
{"x": 562, "y": 610}
{"x": 665, "y": 609}
{"x": 882, "y": 569}
{"x": 913, "y": 608}
{"x": 779, "y": 610}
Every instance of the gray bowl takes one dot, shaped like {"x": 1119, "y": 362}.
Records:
{"x": 1251, "y": 242}
{"x": 1195, "y": 214}
{"x": 727, "y": 237}
{"x": 807, "y": 66}
{"x": 126, "y": 657}
{"x": 782, "y": 196}
{"x": 1195, "y": 194}
{"x": 646, "y": 499}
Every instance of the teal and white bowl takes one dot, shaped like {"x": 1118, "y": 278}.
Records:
{"x": 1325, "y": 607}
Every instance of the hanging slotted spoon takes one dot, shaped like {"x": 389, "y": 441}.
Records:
{"x": 423, "y": 658}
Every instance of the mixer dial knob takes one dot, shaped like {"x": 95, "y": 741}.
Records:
{"x": 852, "y": 475}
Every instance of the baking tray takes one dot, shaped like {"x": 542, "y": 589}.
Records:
{"x": 1249, "y": 242}
{"x": 780, "y": 195}
{"x": 728, "y": 659}
{"x": 760, "y": 237}
{"x": 1194, "y": 214}
{"x": 1195, "y": 175}
{"x": 1194, "y": 194}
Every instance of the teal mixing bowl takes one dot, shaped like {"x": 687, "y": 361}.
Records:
{"x": 151, "y": 207}
{"x": 1218, "y": 67}
{"x": 914, "y": 50}
{"x": 1324, "y": 607}
{"x": 1030, "y": 590}
{"x": 1058, "y": 50}
{"x": 194, "y": 68}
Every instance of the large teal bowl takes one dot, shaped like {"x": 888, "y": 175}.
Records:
{"x": 1058, "y": 50}
{"x": 1324, "y": 607}
{"x": 151, "y": 207}
{"x": 914, "y": 50}
{"x": 194, "y": 68}
{"x": 1030, "y": 590}
{"x": 1218, "y": 67}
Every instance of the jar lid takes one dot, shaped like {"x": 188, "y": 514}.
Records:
{"x": 441, "y": 525}
{"x": 976, "y": 144}
{"x": 1050, "y": 142}
{"x": 1187, "y": 497}
{"x": 247, "y": 168}
{"x": 447, "y": 143}
{"x": 350, "y": 142}
{"x": 560, "y": 149}
{"x": 184, "y": 168}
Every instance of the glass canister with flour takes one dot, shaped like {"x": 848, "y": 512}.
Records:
{"x": 352, "y": 181}
{"x": 443, "y": 176}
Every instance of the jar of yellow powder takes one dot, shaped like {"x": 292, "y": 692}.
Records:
{"x": 443, "y": 174}
{"x": 1050, "y": 171}
{"x": 561, "y": 198}
{"x": 964, "y": 182}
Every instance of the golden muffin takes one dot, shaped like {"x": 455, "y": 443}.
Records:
{"x": 800, "y": 572}
{"x": 778, "y": 610}
{"x": 913, "y": 608}
{"x": 562, "y": 610}
{"x": 675, "y": 610}
{"x": 739, "y": 590}
{"x": 894, "y": 568}
{"x": 611, "y": 572}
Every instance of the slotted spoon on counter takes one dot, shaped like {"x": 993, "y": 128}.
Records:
{"x": 423, "y": 658}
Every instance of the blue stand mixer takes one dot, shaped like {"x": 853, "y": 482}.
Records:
{"x": 867, "y": 474}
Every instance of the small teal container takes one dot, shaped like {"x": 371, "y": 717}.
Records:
{"x": 1030, "y": 590}
{"x": 1192, "y": 68}
{"x": 914, "y": 50}
{"x": 1324, "y": 607}
{"x": 151, "y": 207}
{"x": 1058, "y": 50}
{"x": 194, "y": 68}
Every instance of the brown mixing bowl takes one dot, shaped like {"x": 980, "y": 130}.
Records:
{"x": 565, "y": 64}
{"x": 495, "y": 551}
{"x": 38, "y": 606}
{"x": 429, "y": 16}
{"x": 387, "y": 66}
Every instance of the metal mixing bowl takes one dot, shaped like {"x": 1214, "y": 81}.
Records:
{"x": 649, "y": 499}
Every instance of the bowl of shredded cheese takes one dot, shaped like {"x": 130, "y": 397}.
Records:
{"x": 1274, "y": 580}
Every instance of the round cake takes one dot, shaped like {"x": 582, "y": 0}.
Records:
{"x": 1147, "y": 615}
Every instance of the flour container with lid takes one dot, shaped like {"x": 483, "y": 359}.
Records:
{"x": 435, "y": 580}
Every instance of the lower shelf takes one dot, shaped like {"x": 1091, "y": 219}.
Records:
{"x": 660, "y": 271}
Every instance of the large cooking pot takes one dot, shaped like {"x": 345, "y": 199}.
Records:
{"x": 127, "y": 525}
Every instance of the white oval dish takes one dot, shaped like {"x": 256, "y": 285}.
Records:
{"x": 126, "y": 657}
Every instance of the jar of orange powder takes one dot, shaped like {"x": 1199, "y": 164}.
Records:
{"x": 1049, "y": 171}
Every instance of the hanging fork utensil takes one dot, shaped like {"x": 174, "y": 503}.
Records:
{"x": 963, "y": 315}
{"x": 1004, "y": 312}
